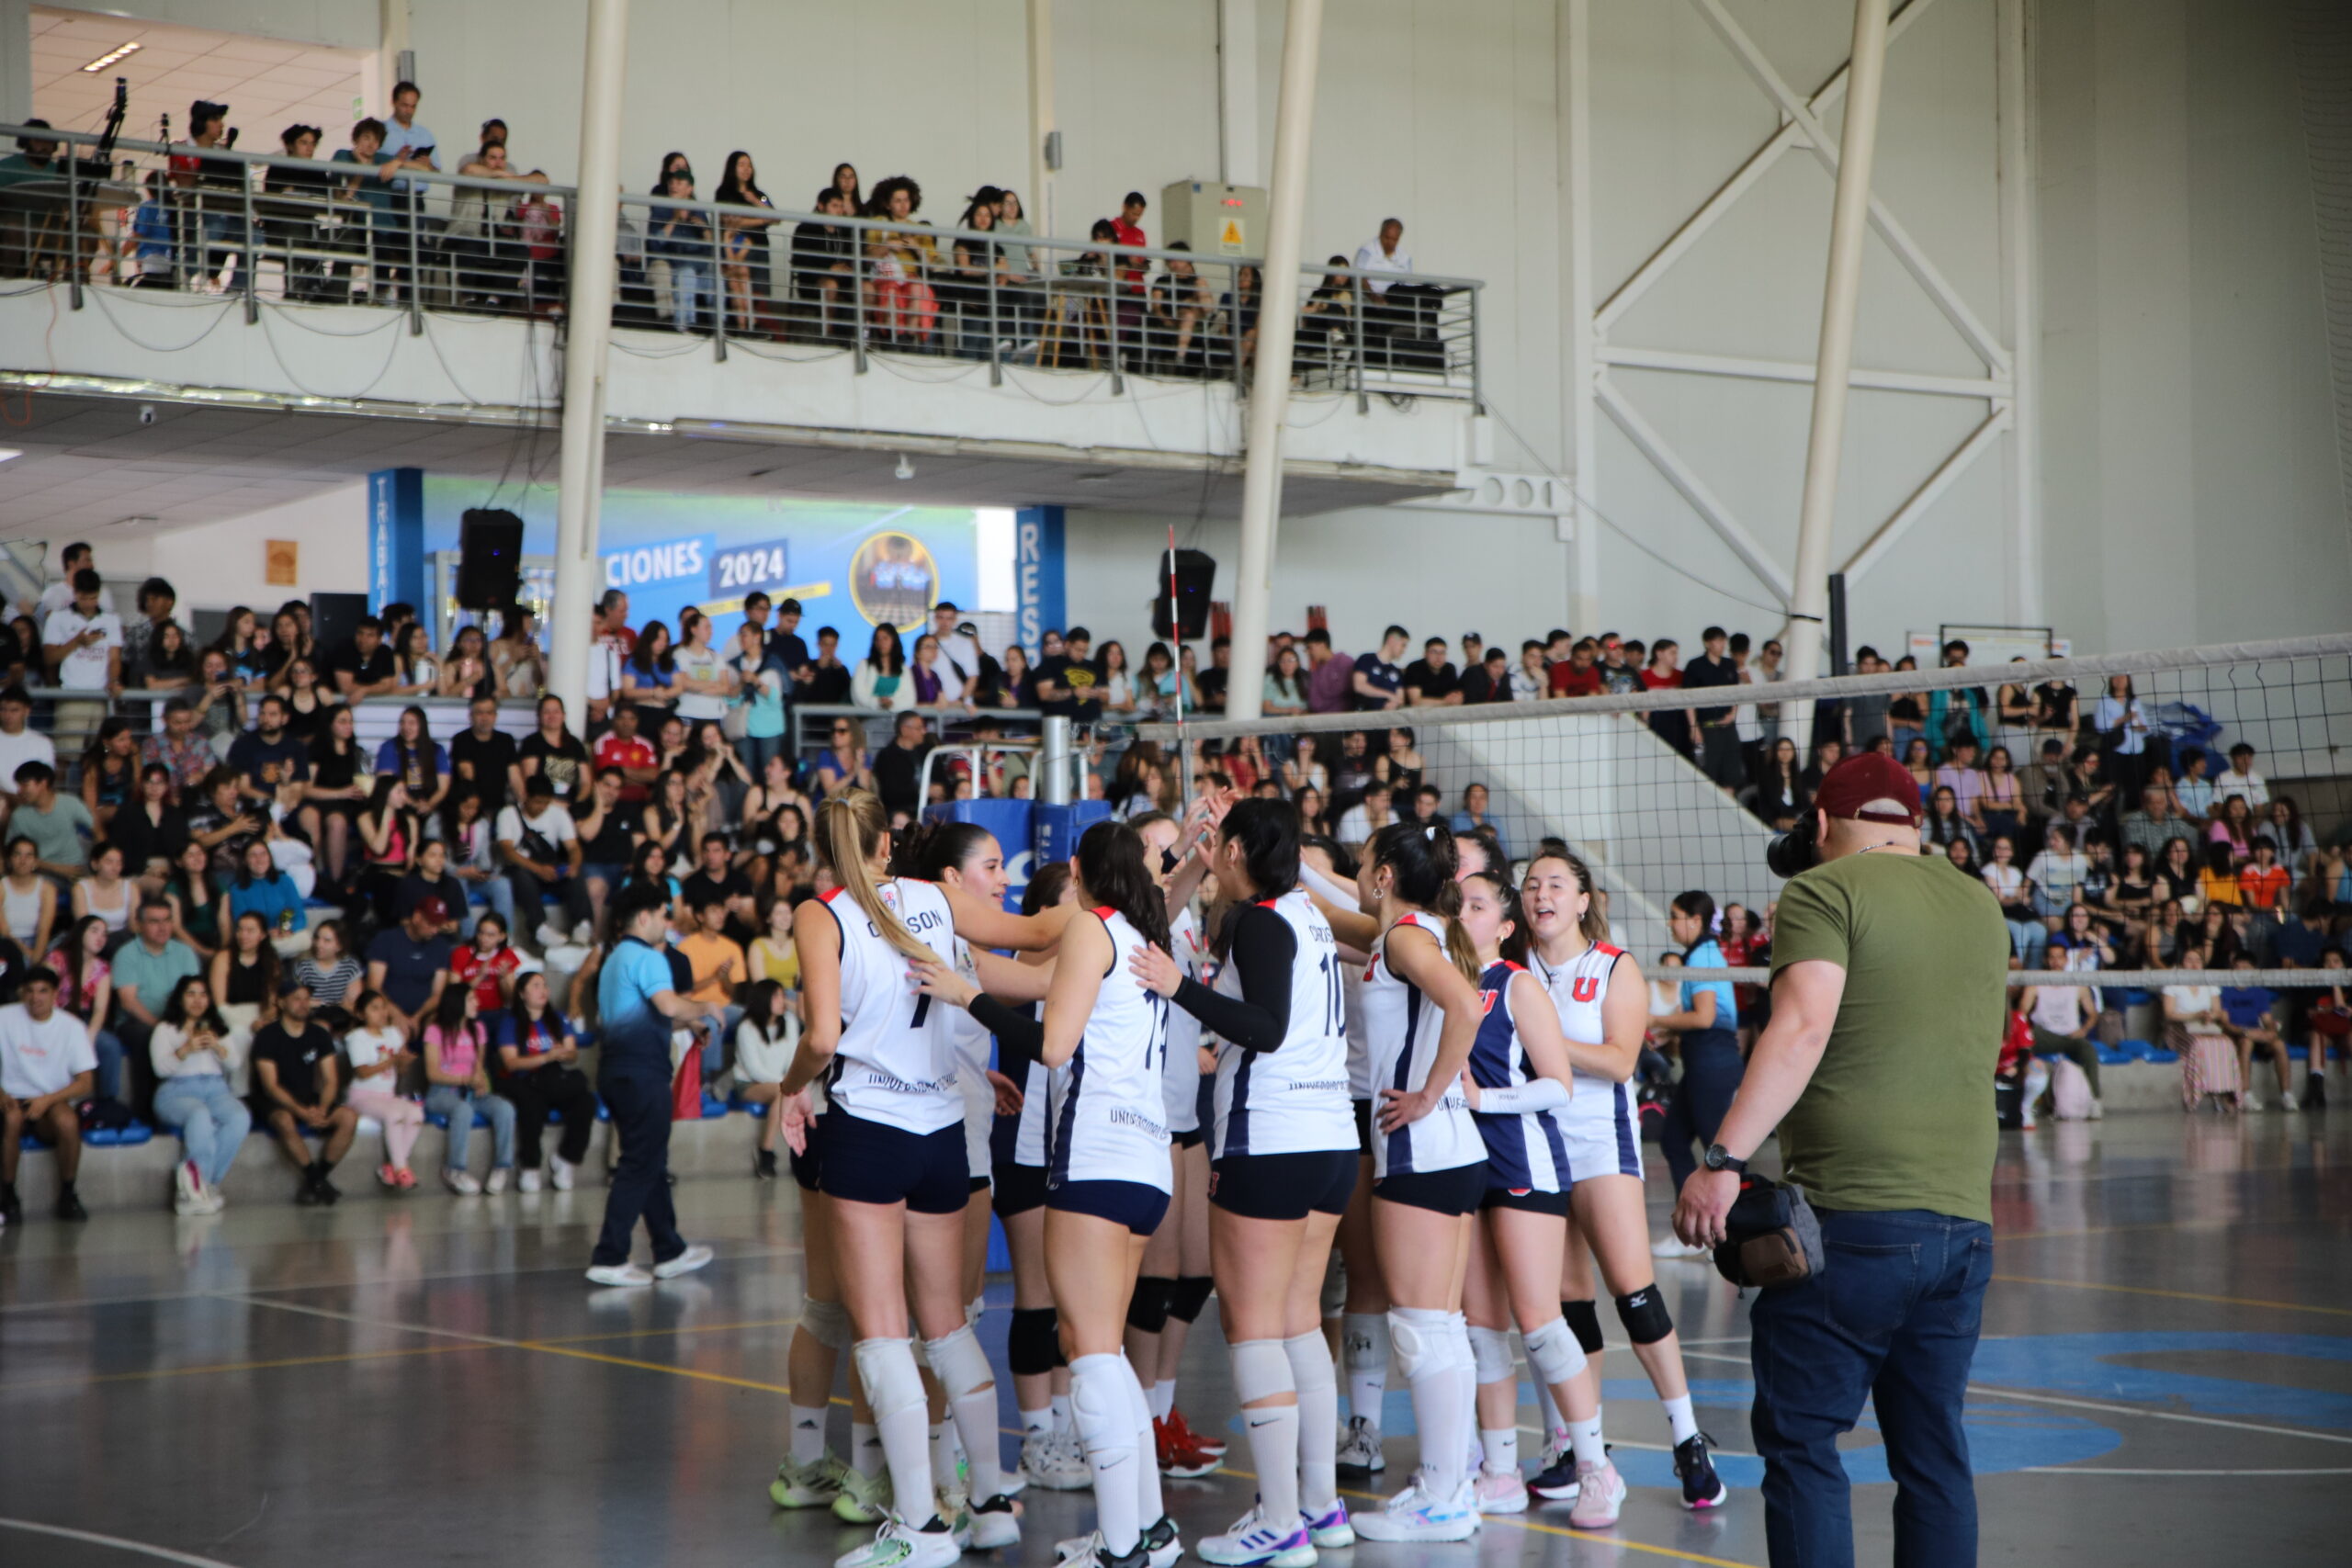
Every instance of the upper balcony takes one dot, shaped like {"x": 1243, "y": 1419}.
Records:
{"x": 799, "y": 353}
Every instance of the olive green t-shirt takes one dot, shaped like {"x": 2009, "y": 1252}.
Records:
{"x": 1899, "y": 1113}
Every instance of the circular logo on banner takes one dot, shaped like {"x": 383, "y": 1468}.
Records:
{"x": 893, "y": 578}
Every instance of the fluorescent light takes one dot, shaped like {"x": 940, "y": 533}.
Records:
{"x": 119, "y": 52}
{"x": 10, "y": 453}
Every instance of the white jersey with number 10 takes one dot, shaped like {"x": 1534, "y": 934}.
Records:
{"x": 1293, "y": 1100}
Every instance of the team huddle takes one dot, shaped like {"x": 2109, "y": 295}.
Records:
{"x": 1400, "y": 1101}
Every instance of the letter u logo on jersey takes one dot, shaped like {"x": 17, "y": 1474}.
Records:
{"x": 1585, "y": 988}
{"x": 1486, "y": 1002}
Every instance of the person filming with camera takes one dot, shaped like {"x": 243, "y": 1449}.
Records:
{"x": 1889, "y": 983}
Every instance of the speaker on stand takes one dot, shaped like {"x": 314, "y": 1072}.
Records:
{"x": 1191, "y": 574}
{"x": 490, "y": 559}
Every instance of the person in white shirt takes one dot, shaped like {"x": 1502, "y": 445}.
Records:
{"x": 47, "y": 1068}
{"x": 705, "y": 681}
{"x": 1383, "y": 255}
{"x": 1369, "y": 815}
{"x": 19, "y": 744}
{"x": 60, "y": 593}
{"x": 959, "y": 648}
{"x": 2241, "y": 779}
{"x": 540, "y": 847}
{"x": 83, "y": 642}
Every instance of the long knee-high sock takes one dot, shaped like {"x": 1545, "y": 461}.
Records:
{"x": 1150, "y": 1507}
{"x": 1318, "y": 1420}
{"x": 894, "y": 1390}
{"x": 1426, "y": 1351}
{"x": 1555, "y": 1426}
{"x": 1363, "y": 1340}
{"x": 1466, "y": 1373}
{"x": 943, "y": 1453}
{"x": 1261, "y": 1370}
{"x": 1105, "y": 1409}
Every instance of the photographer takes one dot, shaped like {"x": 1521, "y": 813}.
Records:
{"x": 1889, "y": 974}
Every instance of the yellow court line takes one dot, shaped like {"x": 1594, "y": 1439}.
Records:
{"x": 2172, "y": 1295}
{"x": 693, "y": 1373}
{"x": 665, "y": 1333}
{"x": 150, "y": 1373}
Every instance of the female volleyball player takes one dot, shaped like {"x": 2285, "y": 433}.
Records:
{"x": 1283, "y": 1163}
{"x": 1604, "y": 1007}
{"x": 893, "y": 1163}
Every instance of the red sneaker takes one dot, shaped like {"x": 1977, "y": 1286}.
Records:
{"x": 1159, "y": 1441}
{"x": 1180, "y": 1456}
{"x": 1212, "y": 1446}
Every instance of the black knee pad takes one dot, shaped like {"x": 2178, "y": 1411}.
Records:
{"x": 1584, "y": 1322}
{"x": 1033, "y": 1344}
{"x": 1645, "y": 1316}
{"x": 1191, "y": 1293}
{"x": 1148, "y": 1308}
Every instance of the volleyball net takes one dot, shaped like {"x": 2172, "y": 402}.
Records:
{"x": 2108, "y": 759}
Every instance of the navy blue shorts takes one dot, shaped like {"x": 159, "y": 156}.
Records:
{"x": 1460, "y": 1191}
{"x": 1191, "y": 1139}
{"x": 1019, "y": 1188}
{"x": 1134, "y": 1204}
{"x": 809, "y": 1167}
{"x": 1527, "y": 1200}
{"x": 1363, "y": 1127}
{"x": 866, "y": 1162}
{"x": 1283, "y": 1186}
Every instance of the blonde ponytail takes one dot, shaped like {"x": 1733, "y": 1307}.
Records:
{"x": 851, "y": 827}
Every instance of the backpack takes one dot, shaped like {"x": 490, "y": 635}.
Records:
{"x": 2070, "y": 1091}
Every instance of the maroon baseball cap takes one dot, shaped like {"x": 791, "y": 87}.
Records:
{"x": 1864, "y": 777}
{"x": 433, "y": 909}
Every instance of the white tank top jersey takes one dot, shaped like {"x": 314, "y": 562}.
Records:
{"x": 1107, "y": 1120}
{"x": 1359, "y": 1043}
{"x": 1293, "y": 1099}
{"x": 1029, "y": 1126}
{"x": 974, "y": 1045}
{"x": 1577, "y": 988}
{"x": 1524, "y": 1150}
{"x": 897, "y": 1061}
{"x": 1401, "y": 1027}
{"x": 1180, "y": 1079}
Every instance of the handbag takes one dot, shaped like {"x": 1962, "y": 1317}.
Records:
{"x": 1773, "y": 1237}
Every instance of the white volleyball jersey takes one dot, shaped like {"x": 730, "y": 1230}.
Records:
{"x": 972, "y": 1049}
{"x": 1524, "y": 1149}
{"x": 1401, "y": 1030}
{"x": 1107, "y": 1122}
{"x": 1027, "y": 1143}
{"x": 896, "y": 1060}
{"x": 1577, "y": 989}
{"x": 1360, "y": 1084}
{"x": 1180, "y": 1079}
{"x": 1293, "y": 1100}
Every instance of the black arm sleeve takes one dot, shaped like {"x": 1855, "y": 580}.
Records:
{"x": 1262, "y": 951}
{"x": 1019, "y": 1036}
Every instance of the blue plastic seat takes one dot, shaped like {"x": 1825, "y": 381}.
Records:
{"x": 2162, "y": 1057}
{"x": 712, "y": 1106}
{"x": 2112, "y": 1055}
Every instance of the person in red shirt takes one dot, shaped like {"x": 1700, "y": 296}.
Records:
{"x": 624, "y": 751}
{"x": 1579, "y": 675}
{"x": 1127, "y": 230}
{"x": 488, "y": 964}
{"x": 2262, "y": 881}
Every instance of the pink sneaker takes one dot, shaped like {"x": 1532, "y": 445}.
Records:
{"x": 1600, "y": 1492}
{"x": 405, "y": 1177}
{"x": 387, "y": 1177}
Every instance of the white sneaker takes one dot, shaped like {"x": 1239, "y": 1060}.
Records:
{"x": 1670, "y": 1246}
{"x": 2249, "y": 1100}
{"x": 1601, "y": 1495}
{"x": 1500, "y": 1493}
{"x": 497, "y": 1183}
{"x": 550, "y": 935}
{"x": 584, "y": 933}
{"x": 807, "y": 1486}
{"x": 188, "y": 1188}
{"x": 1253, "y": 1542}
{"x": 2098, "y": 1112}
{"x": 527, "y": 1182}
{"x": 1360, "y": 1446}
{"x": 1414, "y": 1515}
{"x": 213, "y": 1202}
{"x": 899, "y": 1545}
{"x": 995, "y": 1523}
{"x": 620, "y": 1274}
{"x": 461, "y": 1182}
{"x": 560, "y": 1172}
{"x": 687, "y": 1262}
{"x": 1050, "y": 1461}
{"x": 2288, "y": 1102}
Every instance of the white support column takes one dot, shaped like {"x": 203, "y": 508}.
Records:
{"x": 1261, "y": 480}
{"x": 1040, "y": 206}
{"x": 1239, "y": 162}
{"x": 2020, "y": 299}
{"x": 16, "y": 60}
{"x": 1577, "y": 409}
{"x": 580, "y": 475}
{"x": 1848, "y": 226}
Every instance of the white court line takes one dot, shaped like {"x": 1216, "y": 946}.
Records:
{"x": 118, "y": 1542}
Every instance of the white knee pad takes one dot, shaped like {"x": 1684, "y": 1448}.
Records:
{"x": 959, "y": 1363}
{"x": 886, "y": 1367}
{"x": 1490, "y": 1353}
{"x": 1100, "y": 1405}
{"x": 1262, "y": 1369}
{"x": 1310, "y": 1362}
{"x": 1553, "y": 1351}
{"x": 827, "y": 1323}
{"x": 1423, "y": 1337}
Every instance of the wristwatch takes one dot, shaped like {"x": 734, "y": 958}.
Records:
{"x": 1718, "y": 1158}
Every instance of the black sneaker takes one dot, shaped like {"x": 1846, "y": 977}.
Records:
{"x": 12, "y": 1209}
{"x": 329, "y": 1193}
{"x": 1701, "y": 1487}
{"x": 763, "y": 1164}
{"x": 1556, "y": 1482}
{"x": 69, "y": 1207}
{"x": 2314, "y": 1092}
{"x": 307, "y": 1195}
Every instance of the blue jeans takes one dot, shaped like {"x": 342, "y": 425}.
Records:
{"x": 212, "y": 1122}
{"x": 109, "y": 1053}
{"x": 2029, "y": 940}
{"x": 1892, "y": 1318}
{"x": 1710, "y": 1073}
{"x": 755, "y": 751}
{"x": 689, "y": 291}
{"x": 459, "y": 1105}
{"x": 501, "y": 894}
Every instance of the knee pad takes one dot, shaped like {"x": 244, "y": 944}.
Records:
{"x": 1148, "y": 1308}
{"x": 1554, "y": 1352}
{"x": 1490, "y": 1353}
{"x": 1363, "y": 1340}
{"x": 1424, "y": 1339}
{"x": 1262, "y": 1369}
{"x": 959, "y": 1363}
{"x": 827, "y": 1323}
{"x": 1100, "y": 1405}
{"x": 1190, "y": 1294}
{"x": 1310, "y": 1362}
{"x": 1583, "y": 1319}
{"x": 886, "y": 1367}
{"x": 1033, "y": 1345}
{"x": 1645, "y": 1316}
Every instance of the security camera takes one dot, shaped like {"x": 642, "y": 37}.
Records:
{"x": 146, "y": 413}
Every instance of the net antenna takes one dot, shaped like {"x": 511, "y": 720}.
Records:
{"x": 1176, "y": 630}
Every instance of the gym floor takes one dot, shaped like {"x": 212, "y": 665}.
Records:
{"x": 2167, "y": 1373}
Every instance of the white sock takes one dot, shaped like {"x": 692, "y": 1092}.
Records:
{"x": 942, "y": 1454}
{"x": 1037, "y": 1423}
{"x": 1273, "y": 1452}
{"x": 1318, "y": 1419}
{"x": 1465, "y": 1372}
{"x": 807, "y": 1434}
{"x": 974, "y": 1429}
{"x": 1106, "y": 1426}
{"x": 865, "y": 1448}
{"x": 1548, "y": 1409}
{"x": 1436, "y": 1387}
{"x": 1678, "y": 1417}
{"x": 1150, "y": 1508}
{"x": 909, "y": 1457}
{"x": 1584, "y": 1441}
{"x": 1502, "y": 1450}
{"x": 1363, "y": 1342}
{"x": 1061, "y": 1413}
{"x": 1162, "y": 1399}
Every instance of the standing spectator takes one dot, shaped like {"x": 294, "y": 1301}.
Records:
{"x": 296, "y": 1082}
{"x": 1664, "y": 674}
{"x": 379, "y": 1056}
{"x": 1127, "y": 229}
{"x": 1579, "y": 675}
{"x": 81, "y": 644}
{"x": 72, "y": 561}
{"x": 1330, "y": 675}
{"x": 1377, "y": 684}
{"x": 1065, "y": 682}
{"x": 539, "y": 1072}
{"x": 678, "y": 233}
{"x": 613, "y": 643}
{"x": 1718, "y": 736}
{"x": 2128, "y": 734}
{"x": 2241, "y": 779}
{"x": 157, "y": 599}
{"x": 47, "y": 1068}
{"x": 897, "y": 768}
{"x": 409, "y": 963}
{"x": 705, "y": 683}
{"x": 1429, "y": 681}
{"x": 457, "y": 1076}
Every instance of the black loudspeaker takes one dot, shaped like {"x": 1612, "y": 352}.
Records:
{"x": 333, "y": 617}
{"x": 490, "y": 559}
{"x": 1188, "y": 616}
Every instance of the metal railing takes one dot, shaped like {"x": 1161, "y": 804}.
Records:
{"x": 812, "y": 724}
{"x": 277, "y": 228}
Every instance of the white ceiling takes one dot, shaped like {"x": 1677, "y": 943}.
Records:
{"x": 266, "y": 84}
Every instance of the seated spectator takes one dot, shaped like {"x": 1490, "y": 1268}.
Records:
{"x": 488, "y": 962}
{"x": 1473, "y": 817}
{"x": 197, "y": 1057}
{"x": 150, "y": 829}
{"x": 176, "y": 746}
{"x": 379, "y": 1058}
{"x": 47, "y": 1069}
{"x": 428, "y": 876}
{"x": 2192, "y": 792}
{"x": 58, "y": 825}
{"x": 719, "y": 967}
{"x": 1179, "y": 303}
{"x": 2283, "y": 825}
{"x": 30, "y": 900}
{"x": 715, "y": 877}
{"x": 2251, "y": 1016}
{"x": 2262, "y": 883}
{"x": 2233, "y": 825}
{"x": 409, "y": 963}
{"x": 1429, "y": 681}
{"x": 1532, "y": 677}
{"x": 539, "y": 1072}
{"x": 540, "y": 846}
{"x": 262, "y": 890}
{"x": 473, "y": 862}
{"x": 296, "y": 1087}
{"x": 414, "y": 758}
{"x": 457, "y": 1078}
{"x": 2217, "y": 882}
{"x": 245, "y": 974}
{"x": 897, "y": 768}
{"x": 2079, "y": 944}
{"x": 2057, "y": 872}
{"x": 2328, "y": 1020}
{"x": 85, "y": 989}
{"x": 2064, "y": 1021}
{"x": 552, "y": 751}
{"x": 365, "y": 667}
{"x": 2028, "y": 936}
{"x": 19, "y": 744}
{"x": 1360, "y": 821}
{"x": 765, "y": 1039}
{"x": 2239, "y": 778}
{"x": 110, "y": 772}
{"x": 823, "y": 262}
{"x": 334, "y": 977}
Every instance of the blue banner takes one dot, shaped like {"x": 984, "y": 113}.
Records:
{"x": 1037, "y": 573}
{"x": 395, "y": 538}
